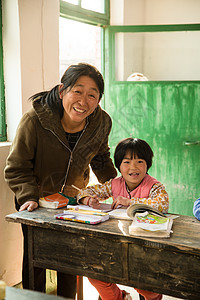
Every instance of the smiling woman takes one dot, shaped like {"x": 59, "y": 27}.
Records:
{"x": 79, "y": 102}
{"x": 56, "y": 141}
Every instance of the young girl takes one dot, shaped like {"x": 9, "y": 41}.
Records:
{"x": 133, "y": 158}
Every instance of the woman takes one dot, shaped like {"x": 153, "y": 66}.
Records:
{"x": 56, "y": 141}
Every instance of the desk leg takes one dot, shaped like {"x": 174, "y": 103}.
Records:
{"x": 79, "y": 287}
{"x": 37, "y": 276}
{"x": 30, "y": 258}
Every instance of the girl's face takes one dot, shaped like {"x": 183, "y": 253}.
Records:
{"x": 133, "y": 170}
{"x": 80, "y": 101}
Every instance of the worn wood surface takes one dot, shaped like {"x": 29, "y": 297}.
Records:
{"x": 107, "y": 252}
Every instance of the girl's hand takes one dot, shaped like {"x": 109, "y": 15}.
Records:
{"x": 120, "y": 201}
{"x": 29, "y": 205}
{"x": 92, "y": 201}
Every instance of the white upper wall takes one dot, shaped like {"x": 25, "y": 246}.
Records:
{"x": 31, "y": 53}
{"x": 150, "y": 12}
{"x": 31, "y": 65}
{"x": 11, "y": 61}
{"x": 172, "y": 11}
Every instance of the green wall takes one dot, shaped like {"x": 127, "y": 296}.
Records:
{"x": 166, "y": 115}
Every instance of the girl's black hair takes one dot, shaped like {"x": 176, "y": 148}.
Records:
{"x": 69, "y": 78}
{"x": 136, "y": 147}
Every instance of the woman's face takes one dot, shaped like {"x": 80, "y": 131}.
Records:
{"x": 80, "y": 101}
{"x": 133, "y": 170}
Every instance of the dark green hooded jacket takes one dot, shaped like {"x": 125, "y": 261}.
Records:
{"x": 41, "y": 162}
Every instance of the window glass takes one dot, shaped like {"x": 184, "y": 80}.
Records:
{"x": 160, "y": 56}
{"x": 97, "y": 5}
{"x": 94, "y": 5}
{"x": 79, "y": 42}
{"x": 71, "y": 1}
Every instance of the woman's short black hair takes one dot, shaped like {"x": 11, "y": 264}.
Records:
{"x": 73, "y": 73}
{"x": 136, "y": 147}
{"x": 69, "y": 78}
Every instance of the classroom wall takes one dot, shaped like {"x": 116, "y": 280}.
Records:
{"x": 153, "y": 12}
{"x": 31, "y": 64}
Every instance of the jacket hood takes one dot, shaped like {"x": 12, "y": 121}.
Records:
{"x": 50, "y": 120}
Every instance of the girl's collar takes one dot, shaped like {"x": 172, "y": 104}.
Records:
{"x": 127, "y": 188}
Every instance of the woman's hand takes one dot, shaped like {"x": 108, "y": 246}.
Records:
{"x": 29, "y": 205}
{"x": 120, "y": 201}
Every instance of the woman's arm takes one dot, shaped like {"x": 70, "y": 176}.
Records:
{"x": 102, "y": 164}
{"x": 103, "y": 167}
{"x": 20, "y": 163}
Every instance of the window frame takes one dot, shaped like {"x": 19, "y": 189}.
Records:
{"x": 77, "y": 13}
{"x": 3, "y": 134}
{"x": 110, "y": 32}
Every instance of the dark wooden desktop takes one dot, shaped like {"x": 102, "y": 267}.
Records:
{"x": 106, "y": 251}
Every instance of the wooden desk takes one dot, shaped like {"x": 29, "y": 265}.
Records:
{"x": 107, "y": 252}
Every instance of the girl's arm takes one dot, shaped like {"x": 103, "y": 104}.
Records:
{"x": 158, "y": 198}
{"x": 196, "y": 209}
{"x": 92, "y": 194}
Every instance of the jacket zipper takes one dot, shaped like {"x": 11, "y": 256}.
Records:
{"x": 71, "y": 154}
{"x": 71, "y": 158}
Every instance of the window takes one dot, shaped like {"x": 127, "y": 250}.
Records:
{"x": 81, "y": 27}
{"x": 81, "y": 36}
{"x": 2, "y": 97}
{"x": 94, "y": 12}
{"x": 159, "y": 52}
